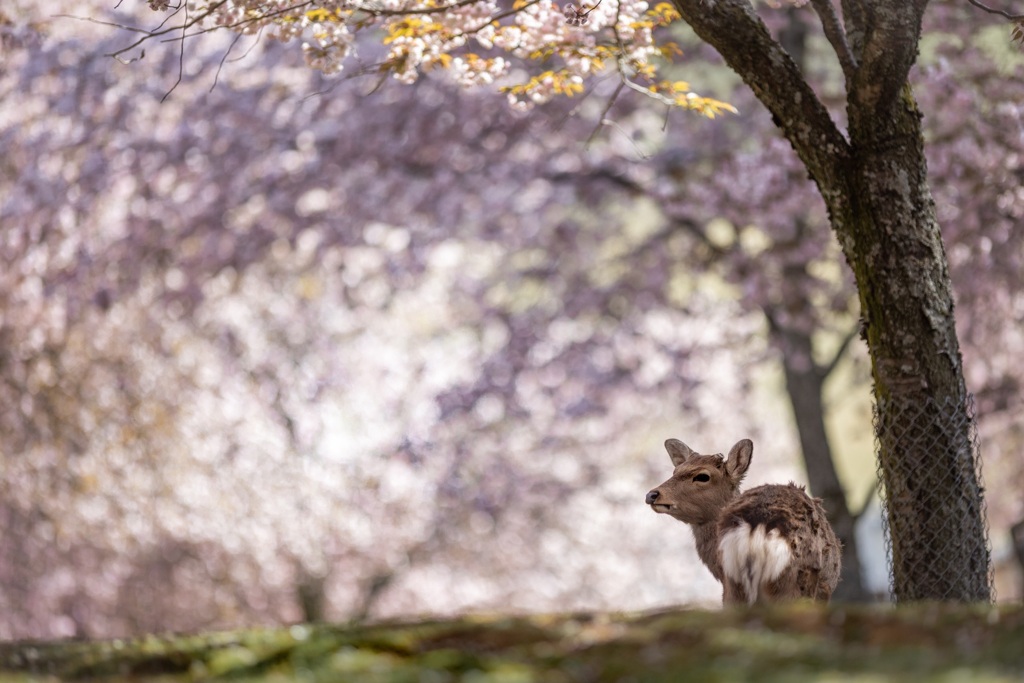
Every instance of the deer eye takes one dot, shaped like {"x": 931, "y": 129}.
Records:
{"x": 703, "y": 476}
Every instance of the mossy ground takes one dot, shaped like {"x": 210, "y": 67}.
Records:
{"x": 798, "y": 642}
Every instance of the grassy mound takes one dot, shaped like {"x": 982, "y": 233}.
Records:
{"x": 798, "y": 642}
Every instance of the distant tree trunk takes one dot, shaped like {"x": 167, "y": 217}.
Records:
{"x": 310, "y": 590}
{"x": 1017, "y": 537}
{"x": 874, "y": 182}
{"x": 805, "y": 386}
{"x": 373, "y": 589}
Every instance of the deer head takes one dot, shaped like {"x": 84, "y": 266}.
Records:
{"x": 700, "y": 485}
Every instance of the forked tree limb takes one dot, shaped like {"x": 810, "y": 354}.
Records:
{"x": 735, "y": 30}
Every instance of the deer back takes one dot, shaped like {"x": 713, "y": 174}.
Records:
{"x": 784, "y": 532}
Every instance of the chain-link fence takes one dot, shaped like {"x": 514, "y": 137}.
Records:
{"x": 933, "y": 505}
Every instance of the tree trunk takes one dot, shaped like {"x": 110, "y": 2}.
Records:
{"x": 805, "y": 383}
{"x": 873, "y": 180}
{"x": 1017, "y": 537}
{"x": 924, "y": 424}
{"x": 311, "y": 593}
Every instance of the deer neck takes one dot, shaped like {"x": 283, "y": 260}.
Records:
{"x": 706, "y": 536}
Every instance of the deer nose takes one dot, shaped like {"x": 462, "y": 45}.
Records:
{"x": 651, "y": 497}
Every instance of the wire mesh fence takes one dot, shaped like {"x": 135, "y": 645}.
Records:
{"x": 936, "y": 536}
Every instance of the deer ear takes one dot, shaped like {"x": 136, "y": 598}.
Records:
{"x": 678, "y": 451}
{"x": 739, "y": 460}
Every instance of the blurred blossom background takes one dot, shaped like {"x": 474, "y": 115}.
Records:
{"x": 287, "y": 347}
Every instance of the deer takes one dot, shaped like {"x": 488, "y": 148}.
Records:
{"x": 768, "y": 544}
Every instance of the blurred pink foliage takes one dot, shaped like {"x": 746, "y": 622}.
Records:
{"x": 284, "y": 349}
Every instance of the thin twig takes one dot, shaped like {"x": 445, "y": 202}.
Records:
{"x": 379, "y": 85}
{"x": 876, "y": 489}
{"x": 836, "y": 36}
{"x": 164, "y": 31}
{"x": 93, "y": 20}
{"x": 602, "y": 120}
{"x": 498, "y": 17}
{"x": 648, "y": 92}
{"x": 826, "y": 370}
{"x": 243, "y": 22}
{"x": 642, "y": 155}
{"x": 596, "y": 81}
{"x": 223, "y": 59}
{"x": 181, "y": 57}
{"x": 249, "y": 49}
{"x": 993, "y": 10}
{"x": 404, "y": 12}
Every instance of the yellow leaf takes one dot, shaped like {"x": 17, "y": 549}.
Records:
{"x": 669, "y": 50}
{"x": 664, "y": 13}
{"x": 321, "y": 15}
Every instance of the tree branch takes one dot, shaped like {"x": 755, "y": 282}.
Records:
{"x": 674, "y": 222}
{"x": 161, "y": 30}
{"x": 854, "y": 18}
{"x": 993, "y": 10}
{"x": 381, "y": 12}
{"x": 601, "y": 120}
{"x": 891, "y": 36}
{"x": 866, "y": 502}
{"x": 826, "y": 370}
{"x": 836, "y": 36}
{"x": 734, "y": 29}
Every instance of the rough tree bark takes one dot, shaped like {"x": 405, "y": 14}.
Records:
{"x": 874, "y": 183}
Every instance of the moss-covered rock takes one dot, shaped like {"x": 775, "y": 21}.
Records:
{"x": 798, "y": 642}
